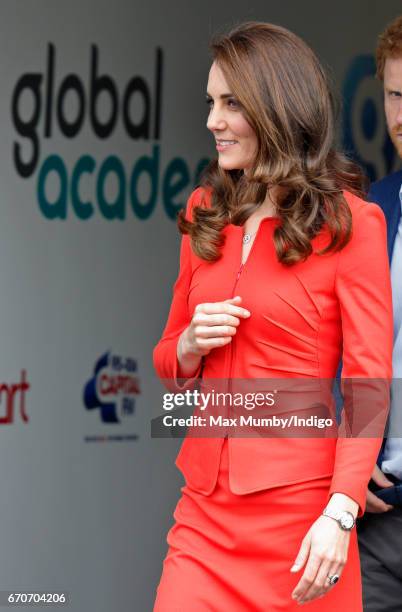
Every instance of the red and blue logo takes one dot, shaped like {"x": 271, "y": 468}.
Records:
{"x": 113, "y": 388}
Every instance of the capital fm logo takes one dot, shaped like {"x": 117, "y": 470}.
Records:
{"x": 13, "y": 400}
{"x": 365, "y": 134}
{"x": 112, "y": 390}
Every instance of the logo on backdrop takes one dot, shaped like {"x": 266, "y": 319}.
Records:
{"x": 111, "y": 391}
{"x": 49, "y": 106}
{"x": 12, "y": 401}
{"x": 364, "y": 128}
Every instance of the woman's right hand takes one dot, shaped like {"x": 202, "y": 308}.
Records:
{"x": 213, "y": 325}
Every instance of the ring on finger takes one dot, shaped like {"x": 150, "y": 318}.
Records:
{"x": 333, "y": 579}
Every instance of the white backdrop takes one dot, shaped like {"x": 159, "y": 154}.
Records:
{"x": 85, "y": 502}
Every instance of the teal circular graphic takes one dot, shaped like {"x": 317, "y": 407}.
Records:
{"x": 369, "y": 122}
{"x": 369, "y": 119}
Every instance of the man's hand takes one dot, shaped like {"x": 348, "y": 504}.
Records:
{"x": 375, "y": 504}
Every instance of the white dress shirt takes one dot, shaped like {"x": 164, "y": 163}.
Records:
{"x": 392, "y": 458}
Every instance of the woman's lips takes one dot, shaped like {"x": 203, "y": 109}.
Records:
{"x": 224, "y": 146}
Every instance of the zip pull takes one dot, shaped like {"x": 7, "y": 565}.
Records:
{"x": 237, "y": 278}
{"x": 239, "y": 272}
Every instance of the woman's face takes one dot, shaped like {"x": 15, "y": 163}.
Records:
{"x": 236, "y": 140}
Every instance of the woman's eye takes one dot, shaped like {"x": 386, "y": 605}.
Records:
{"x": 231, "y": 102}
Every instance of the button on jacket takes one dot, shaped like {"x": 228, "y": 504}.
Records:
{"x": 304, "y": 319}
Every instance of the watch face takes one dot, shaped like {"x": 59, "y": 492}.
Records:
{"x": 347, "y": 521}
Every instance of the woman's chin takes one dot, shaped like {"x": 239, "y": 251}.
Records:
{"x": 226, "y": 164}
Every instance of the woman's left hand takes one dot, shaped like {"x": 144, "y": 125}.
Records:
{"x": 325, "y": 549}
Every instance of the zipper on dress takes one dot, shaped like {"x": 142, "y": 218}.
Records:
{"x": 232, "y": 347}
{"x": 232, "y": 344}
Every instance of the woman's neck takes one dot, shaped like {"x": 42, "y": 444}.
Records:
{"x": 268, "y": 207}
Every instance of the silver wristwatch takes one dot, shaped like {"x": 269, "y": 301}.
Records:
{"x": 344, "y": 518}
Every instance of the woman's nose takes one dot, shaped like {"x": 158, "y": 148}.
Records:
{"x": 216, "y": 120}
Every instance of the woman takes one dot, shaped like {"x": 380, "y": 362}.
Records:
{"x": 282, "y": 266}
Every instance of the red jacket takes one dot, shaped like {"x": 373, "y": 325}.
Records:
{"x": 301, "y": 317}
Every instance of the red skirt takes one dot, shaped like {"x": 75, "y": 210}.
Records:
{"x": 234, "y": 552}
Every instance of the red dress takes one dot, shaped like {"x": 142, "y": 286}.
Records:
{"x": 248, "y": 502}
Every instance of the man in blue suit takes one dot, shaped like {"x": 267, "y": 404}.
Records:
{"x": 380, "y": 530}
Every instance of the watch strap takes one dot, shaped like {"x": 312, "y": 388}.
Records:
{"x": 337, "y": 516}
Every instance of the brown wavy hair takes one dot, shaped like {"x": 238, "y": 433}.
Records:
{"x": 389, "y": 45}
{"x": 284, "y": 95}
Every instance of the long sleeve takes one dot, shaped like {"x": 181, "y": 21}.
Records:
{"x": 364, "y": 291}
{"x": 165, "y": 352}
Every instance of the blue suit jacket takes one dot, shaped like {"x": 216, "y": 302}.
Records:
{"x": 385, "y": 193}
